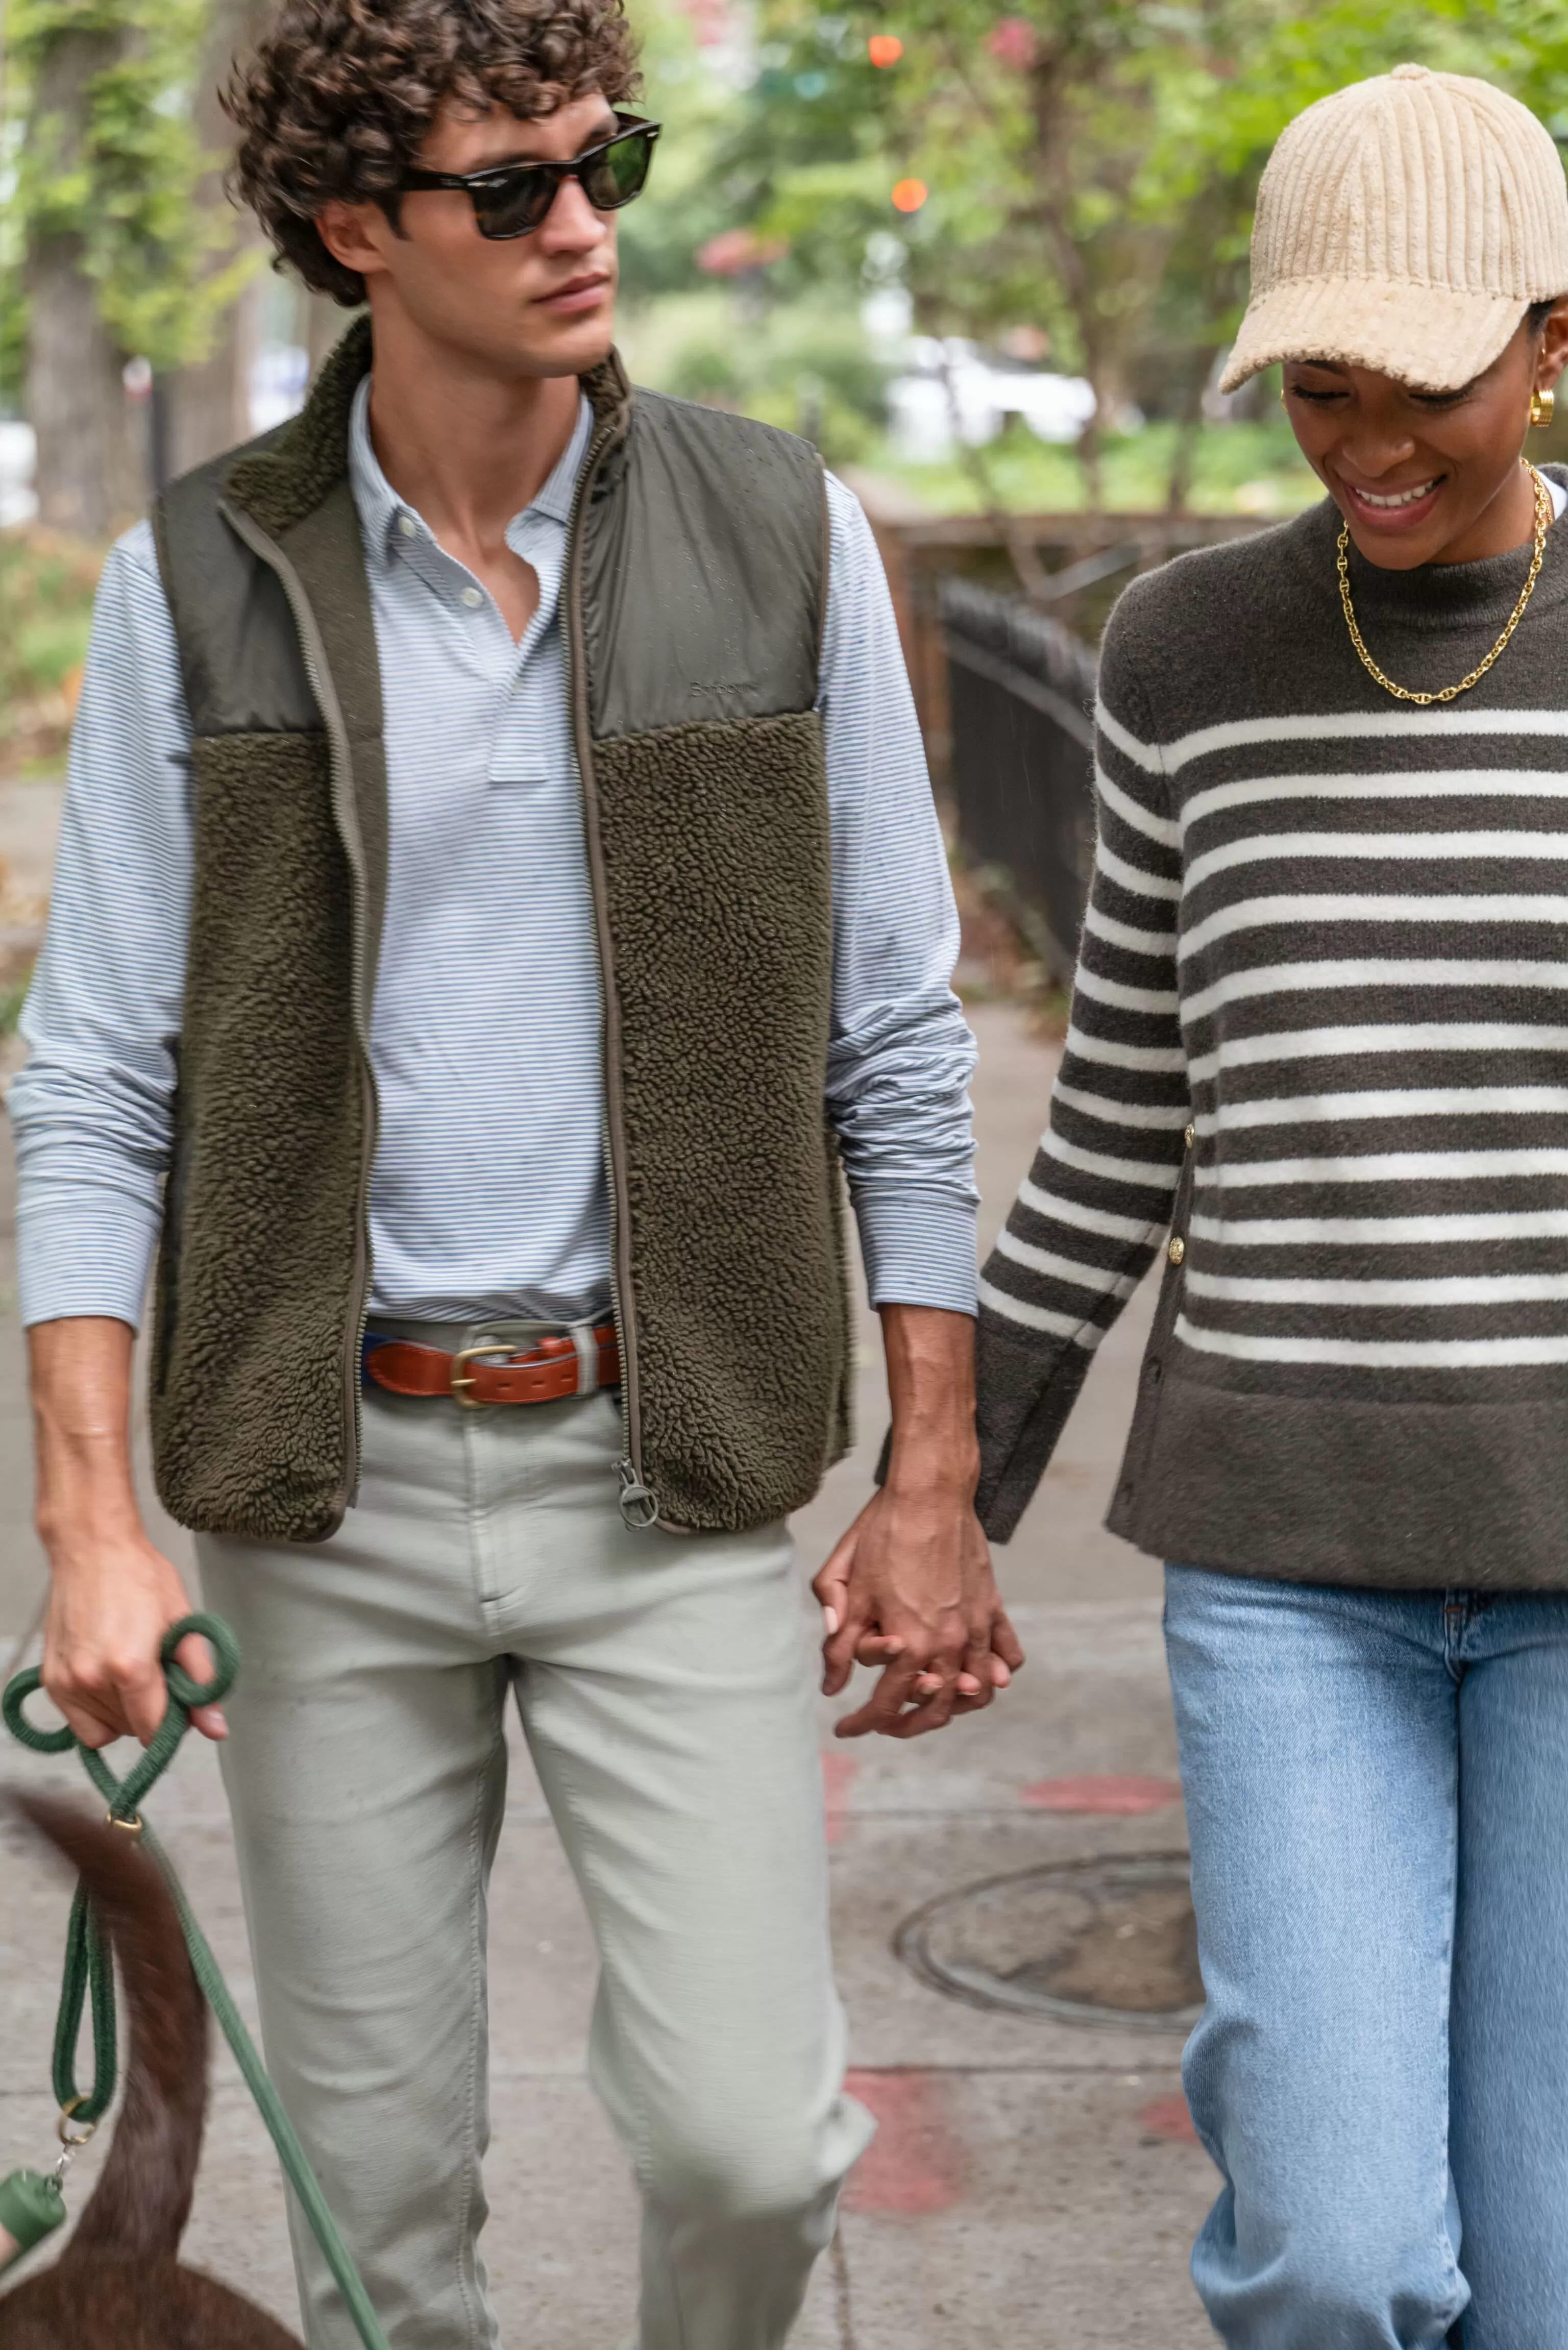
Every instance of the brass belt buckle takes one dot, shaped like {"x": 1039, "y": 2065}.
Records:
{"x": 459, "y": 1362}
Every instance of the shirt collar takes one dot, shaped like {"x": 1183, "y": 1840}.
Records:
{"x": 380, "y": 506}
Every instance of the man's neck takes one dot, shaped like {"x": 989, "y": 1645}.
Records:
{"x": 466, "y": 449}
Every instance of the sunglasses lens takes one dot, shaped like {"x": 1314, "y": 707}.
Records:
{"x": 613, "y": 178}
{"x": 513, "y": 203}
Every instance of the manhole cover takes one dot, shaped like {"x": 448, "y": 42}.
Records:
{"x": 1087, "y": 1941}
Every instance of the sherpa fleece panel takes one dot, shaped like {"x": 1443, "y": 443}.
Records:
{"x": 723, "y": 936}
{"x": 247, "y": 1393}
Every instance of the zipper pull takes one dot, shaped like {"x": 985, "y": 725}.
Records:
{"x": 638, "y": 1507}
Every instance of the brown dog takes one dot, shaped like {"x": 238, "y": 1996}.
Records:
{"x": 118, "y": 2285}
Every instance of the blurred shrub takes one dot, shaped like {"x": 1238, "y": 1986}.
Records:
{"x": 46, "y": 588}
{"x": 799, "y": 366}
{"x": 13, "y": 996}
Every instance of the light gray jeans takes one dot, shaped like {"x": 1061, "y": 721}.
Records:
{"x": 664, "y": 1687}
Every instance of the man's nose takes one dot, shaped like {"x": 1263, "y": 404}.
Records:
{"x": 571, "y": 225}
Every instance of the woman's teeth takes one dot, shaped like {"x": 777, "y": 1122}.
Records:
{"x": 1400, "y": 497}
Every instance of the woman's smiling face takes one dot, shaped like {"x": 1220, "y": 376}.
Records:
{"x": 1428, "y": 476}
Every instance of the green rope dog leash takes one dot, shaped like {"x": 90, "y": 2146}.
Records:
{"x": 89, "y": 1973}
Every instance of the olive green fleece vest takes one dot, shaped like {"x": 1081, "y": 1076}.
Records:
{"x": 693, "y": 603}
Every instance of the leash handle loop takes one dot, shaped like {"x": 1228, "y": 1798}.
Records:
{"x": 89, "y": 1969}
{"x": 124, "y": 1795}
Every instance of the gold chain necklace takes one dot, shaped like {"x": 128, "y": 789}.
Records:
{"x": 1450, "y": 692}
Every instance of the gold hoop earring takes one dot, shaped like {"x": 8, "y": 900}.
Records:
{"x": 1541, "y": 404}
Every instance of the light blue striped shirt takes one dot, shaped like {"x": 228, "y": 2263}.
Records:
{"x": 488, "y": 1190}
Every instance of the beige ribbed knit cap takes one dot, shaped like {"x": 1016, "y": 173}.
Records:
{"x": 1405, "y": 225}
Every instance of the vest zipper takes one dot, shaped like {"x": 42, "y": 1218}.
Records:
{"x": 639, "y": 1505}
{"x": 346, "y": 817}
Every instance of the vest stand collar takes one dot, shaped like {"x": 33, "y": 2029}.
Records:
{"x": 288, "y": 476}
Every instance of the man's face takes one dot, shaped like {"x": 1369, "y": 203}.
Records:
{"x": 541, "y": 305}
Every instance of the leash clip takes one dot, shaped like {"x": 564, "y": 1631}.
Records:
{"x": 69, "y": 2139}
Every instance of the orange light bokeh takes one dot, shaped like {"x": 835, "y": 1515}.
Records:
{"x": 884, "y": 48}
{"x": 909, "y": 195}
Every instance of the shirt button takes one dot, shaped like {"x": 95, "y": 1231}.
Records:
{"x": 1176, "y": 1250}
{"x": 1190, "y": 1135}
{"x": 407, "y": 525}
{"x": 474, "y": 597}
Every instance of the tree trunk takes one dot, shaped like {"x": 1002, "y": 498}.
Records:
{"x": 91, "y": 467}
{"x": 1100, "y": 365}
{"x": 1090, "y": 453}
{"x": 1189, "y": 432}
{"x": 211, "y": 398}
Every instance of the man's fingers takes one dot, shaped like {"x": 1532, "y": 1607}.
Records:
{"x": 935, "y": 1714}
{"x": 837, "y": 1659}
{"x": 884, "y": 1705}
{"x": 909, "y": 1700}
{"x": 90, "y": 1697}
{"x": 202, "y": 1665}
{"x": 144, "y": 1698}
{"x": 1005, "y": 1642}
{"x": 975, "y": 1684}
{"x": 94, "y": 1728}
{"x": 839, "y": 1651}
{"x": 196, "y": 1658}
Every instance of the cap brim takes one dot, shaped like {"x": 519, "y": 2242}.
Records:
{"x": 1435, "y": 337}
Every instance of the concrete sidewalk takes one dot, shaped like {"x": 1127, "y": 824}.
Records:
{"x": 1033, "y": 2184}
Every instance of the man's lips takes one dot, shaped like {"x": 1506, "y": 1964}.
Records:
{"x": 576, "y": 294}
{"x": 1401, "y": 507}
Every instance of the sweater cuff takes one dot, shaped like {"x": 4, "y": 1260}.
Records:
{"x": 82, "y": 1250}
{"x": 918, "y": 1245}
{"x": 1026, "y": 1393}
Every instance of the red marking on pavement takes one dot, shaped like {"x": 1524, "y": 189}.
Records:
{"x": 838, "y": 1777}
{"x": 913, "y": 2164}
{"x": 1101, "y": 1795}
{"x": 1168, "y": 2118}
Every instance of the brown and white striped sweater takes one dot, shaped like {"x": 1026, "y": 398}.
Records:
{"x": 1319, "y": 1034}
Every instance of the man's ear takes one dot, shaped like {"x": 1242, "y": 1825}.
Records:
{"x": 355, "y": 235}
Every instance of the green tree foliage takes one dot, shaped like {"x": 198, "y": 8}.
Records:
{"x": 660, "y": 236}
{"x": 125, "y": 190}
{"x": 1091, "y": 164}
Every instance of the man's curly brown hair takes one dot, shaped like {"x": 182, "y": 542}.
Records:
{"x": 339, "y": 98}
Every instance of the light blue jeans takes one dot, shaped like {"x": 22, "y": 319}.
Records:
{"x": 1376, "y": 1786}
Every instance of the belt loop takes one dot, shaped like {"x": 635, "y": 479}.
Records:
{"x": 587, "y": 1346}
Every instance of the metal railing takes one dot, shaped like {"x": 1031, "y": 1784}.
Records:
{"x": 1021, "y": 690}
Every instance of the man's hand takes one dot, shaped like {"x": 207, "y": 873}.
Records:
{"x": 113, "y": 1594}
{"x": 910, "y": 1587}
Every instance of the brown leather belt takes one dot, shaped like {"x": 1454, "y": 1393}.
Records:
{"x": 492, "y": 1372}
